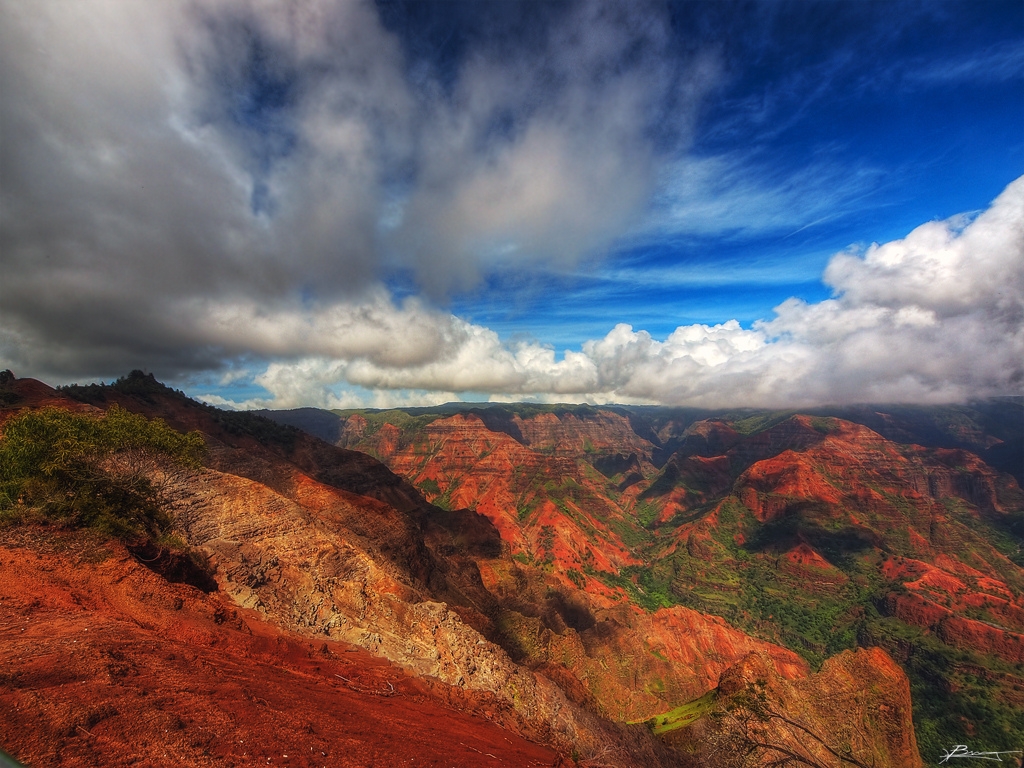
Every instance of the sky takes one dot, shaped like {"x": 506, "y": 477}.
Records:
{"x": 339, "y": 203}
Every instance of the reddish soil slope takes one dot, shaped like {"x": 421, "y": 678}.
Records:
{"x": 105, "y": 663}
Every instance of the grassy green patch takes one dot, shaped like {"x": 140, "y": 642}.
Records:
{"x": 824, "y": 424}
{"x": 682, "y": 716}
{"x": 646, "y": 513}
{"x": 632, "y": 535}
{"x": 645, "y": 587}
{"x": 761, "y": 421}
{"x": 444, "y": 501}
{"x": 430, "y": 487}
{"x": 408, "y": 426}
{"x": 576, "y": 578}
{"x": 524, "y": 510}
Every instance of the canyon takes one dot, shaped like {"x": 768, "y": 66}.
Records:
{"x": 529, "y": 585}
{"x": 818, "y": 532}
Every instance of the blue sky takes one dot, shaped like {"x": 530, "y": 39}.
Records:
{"x": 349, "y": 203}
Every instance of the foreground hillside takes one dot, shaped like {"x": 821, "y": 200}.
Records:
{"x": 817, "y": 532}
{"x": 106, "y": 663}
{"x": 540, "y": 617}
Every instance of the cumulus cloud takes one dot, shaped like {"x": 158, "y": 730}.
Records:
{"x": 935, "y": 317}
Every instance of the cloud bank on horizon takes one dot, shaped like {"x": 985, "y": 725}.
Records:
{"x": 279, "y": 205}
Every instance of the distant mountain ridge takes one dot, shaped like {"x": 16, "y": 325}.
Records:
{"x": 992, "y": 428}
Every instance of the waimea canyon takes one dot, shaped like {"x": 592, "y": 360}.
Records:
{"x": 526, "y": 585}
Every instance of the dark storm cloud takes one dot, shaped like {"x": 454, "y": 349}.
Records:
{"x": 161, "y": 158}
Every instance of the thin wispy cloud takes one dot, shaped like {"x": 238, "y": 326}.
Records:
{"x": 741, "y": 194}
{"x": 1001, "y": 62}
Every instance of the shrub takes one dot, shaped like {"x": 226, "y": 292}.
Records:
{"x": 90, "y": 471}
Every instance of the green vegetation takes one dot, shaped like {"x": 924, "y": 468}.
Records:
{"x": 631, "y": 534}
{"x": 444, "y": 501}
{"x": 84, "y": 471}
{"x": 646, "y": 513}
{"x": 824, "y": 424}
{"x": 410, "y": 422}
{"x": 430, "y": 487}
{"x": 1003, "y": 532}
{"x": 7, "y": 397}
{"x": 761, "y": 421}
{"x": 522, "y": 636}
{"x": 546, "y": 543}
{"x": 955, "y": 692}
{"x": 523, "y": 511}
{"x": 959, "y": 696}
{"x": 564, "y": 489}
{"x": 682, "y": 716}
{"x": 641, "y": 584}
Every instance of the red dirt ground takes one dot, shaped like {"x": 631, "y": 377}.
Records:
{"x": 104, "y": 663}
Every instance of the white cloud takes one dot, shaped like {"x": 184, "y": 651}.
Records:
{"x": 934, "y": 317}
{"x": 315, "y": 382}
{"x": 946, "y": 267}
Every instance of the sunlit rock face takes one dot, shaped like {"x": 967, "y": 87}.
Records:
{"x": 859, "y": 699}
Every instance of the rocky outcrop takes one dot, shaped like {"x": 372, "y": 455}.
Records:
{"x": 459, "y": 462}
{"x": 981, "y": 636}
{"x": 915, "y": 610}
{"x": 630, "y": 663}
{"x": 592, "y": 433}
{"x": 897, "y": 494}
{"x": 957, "y": 631}
{"x": 771, "y": 486}
{"x": 797, "y": 433}
{"x": 856, "y": 707}
{"x": 16, "y": 394}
